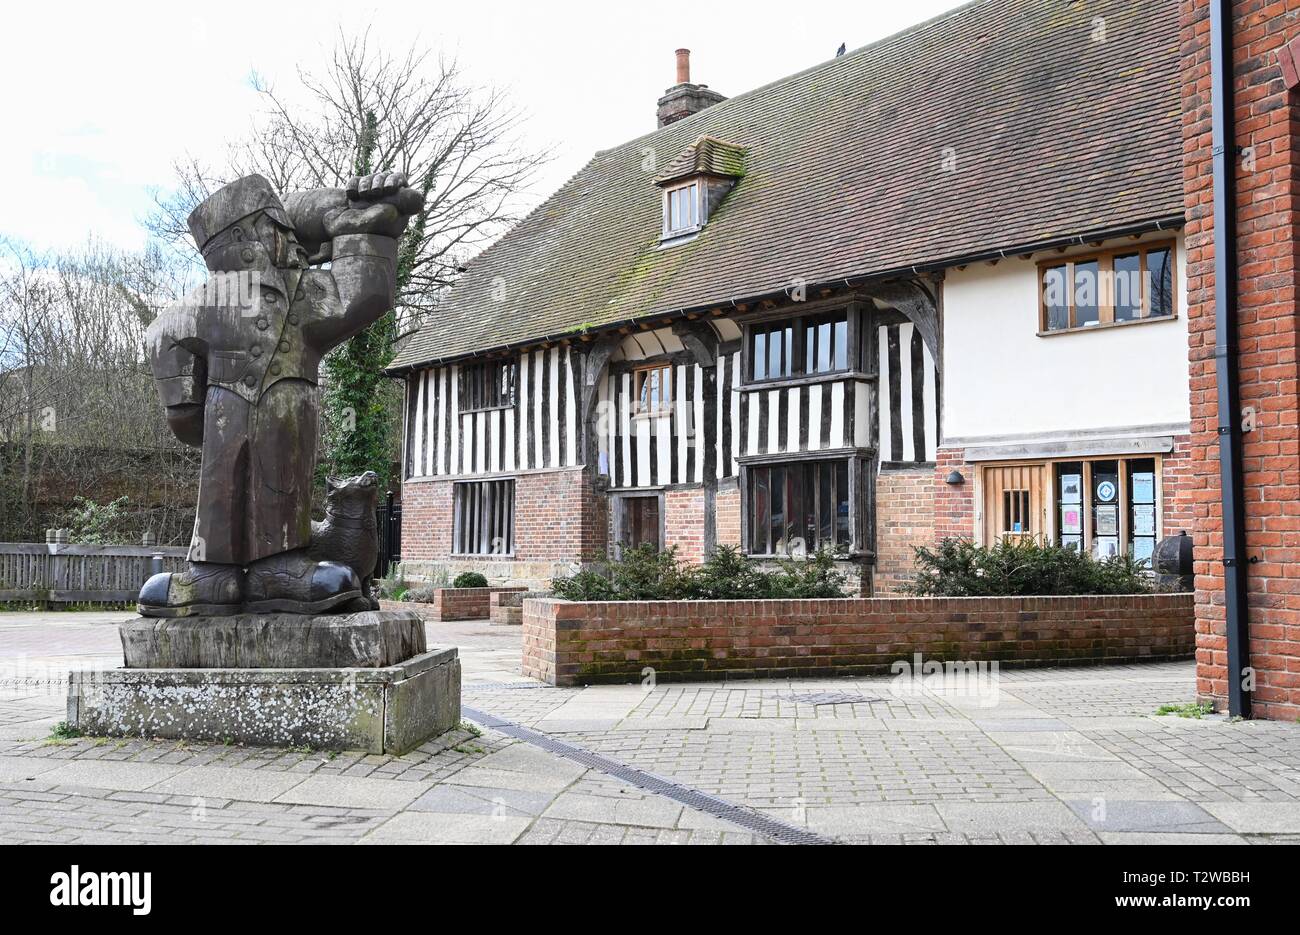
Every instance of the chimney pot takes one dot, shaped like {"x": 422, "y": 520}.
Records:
{"x": 684, "y": 98}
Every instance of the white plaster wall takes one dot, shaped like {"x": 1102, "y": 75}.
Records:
{"x": 1002, "y": 381}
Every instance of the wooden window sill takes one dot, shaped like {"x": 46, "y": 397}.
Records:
{"x": 1107, "y": 326}
{"x": 777, "y": 383}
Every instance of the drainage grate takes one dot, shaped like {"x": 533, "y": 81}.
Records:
{"x": 823, "y": 698}
{"x": 701, "y": 801}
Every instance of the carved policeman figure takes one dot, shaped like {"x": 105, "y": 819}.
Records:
{"x": 236, "y": 368}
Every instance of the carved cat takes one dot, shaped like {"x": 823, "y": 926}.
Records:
{"x": 349, "y": 533}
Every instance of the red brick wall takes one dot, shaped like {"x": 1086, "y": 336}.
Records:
{"x": 573, "y": 644}
{"x": 1267, "y": 214}
{"x": 954, "y": 504}
{"x": 426, "y": 520}
{"x": 904, "y": 519}
{"x": 1178, "y": 482}
{"x": 726, "y": 511}
{"x": 684, "y": 523}
{"x": 464, "y": 603}
{"x": 558, "y": 517}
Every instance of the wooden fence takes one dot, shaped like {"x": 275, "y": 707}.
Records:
{"x": 37, "y": 572}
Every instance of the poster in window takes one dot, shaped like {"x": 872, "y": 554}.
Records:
{"x": 1072, "y": 542}
{"x": 1144, "y": 488}
{"x": 1107, "y": 520}
{"x": 1144, "y": 520}
{"x": 1105, "y": 546}
{"x": 1071, "y": 520}
{"x": 1142, "y": 548}
{"x": 1071, "y": 488}
{"x": 1106, "y": 491}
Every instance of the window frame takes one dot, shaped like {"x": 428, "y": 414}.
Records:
{"x": 478, "y": 393}
{"x": 854, "y": 468}
{"x": 1105, "y": 260}
{"x": 797, "y": 324}
{"x": 461, "y": 538}
{"x": 639, "y": 373}
{"x": 697, "y": 209}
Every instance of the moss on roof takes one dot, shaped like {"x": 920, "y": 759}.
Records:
{"x": 999, "y": 125}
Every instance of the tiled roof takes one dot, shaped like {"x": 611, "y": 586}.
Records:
{"x": 1000, "y": 125}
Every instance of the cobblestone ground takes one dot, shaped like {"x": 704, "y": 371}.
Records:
{"x": 1073, "y": 756}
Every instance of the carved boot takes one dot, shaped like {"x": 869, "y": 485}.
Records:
{"x": 205, "y": 589}
{"x": 293, "y": 583}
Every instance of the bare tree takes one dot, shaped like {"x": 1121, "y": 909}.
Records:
{"x": 368, "y": 110}
{"x": 79, "y": 416}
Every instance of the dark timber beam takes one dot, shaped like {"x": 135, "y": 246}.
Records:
{"x": 700, "y": 340}
{"x": 593, "y": 367}
{"x": 919, "y": 303}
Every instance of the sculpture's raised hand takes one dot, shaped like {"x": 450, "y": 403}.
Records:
{"x": 376, "y": 204}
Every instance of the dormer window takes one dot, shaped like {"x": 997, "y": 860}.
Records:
{"x": 682, "y": 209}
{"x": 695, "y": 184}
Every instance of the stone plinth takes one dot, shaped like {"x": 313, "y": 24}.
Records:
{"x": 386, "y": 709}
{"x": 273, "y": 641}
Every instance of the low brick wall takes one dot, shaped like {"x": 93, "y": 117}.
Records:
{"x": 507, "y": 607}
{"x": 465, "y": 603}
{"x": 453, "y": 603}
{"x": 568, "y": 643}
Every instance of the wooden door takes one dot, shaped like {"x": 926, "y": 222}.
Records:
{"x": 1015, "y": 502}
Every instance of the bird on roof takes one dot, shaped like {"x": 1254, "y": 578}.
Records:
{"x": 841, "y": 50}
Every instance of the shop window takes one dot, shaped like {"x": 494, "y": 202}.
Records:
{"x": 1108, "y": 506}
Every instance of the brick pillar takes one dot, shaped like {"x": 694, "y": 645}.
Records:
{"x": 1267, "y": 215}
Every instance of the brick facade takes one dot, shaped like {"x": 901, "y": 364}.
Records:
{"x": 726, "y": 512}
{"x": 559, "y": 520}
{"x": 954, "y": 504}
{"x": 684, "y": 522}
{"x": 574, "y": 644}
{"x": 1268, "y": 209}
{"x": 905, "y": 519}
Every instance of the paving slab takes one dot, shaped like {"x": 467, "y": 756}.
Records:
{"x": 21, "y": 768}
{"x": 1257, "y": 817}
{"x": 352, "y": 792}
{"x": 994, "y": 817}
{"x": 553, "y": 782}
{"x": 247, "y": 785}
{"x": 1155, "y": 837}
{"x": 1021, "y": 724}
{"x": 445, "y": 828}
{"x": 482, "y": 800}
{"x": 108, "y": 774}
{"x": 1149, "y": 816}
{"x": 650, "y": 812}
{"x": 866, "y": 819}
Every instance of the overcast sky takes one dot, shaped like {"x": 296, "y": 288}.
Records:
{"x": 103, "y": 97}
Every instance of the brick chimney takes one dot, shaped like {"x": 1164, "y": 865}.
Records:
{"x": 684, "y": 98}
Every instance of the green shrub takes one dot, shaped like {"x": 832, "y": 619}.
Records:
{"x": 960, "y": 568}
{"x": 728, "y": 575}
{"x": 422, "y": 594}
{"x": 815, "y": 577}
{"x": 647, "y": 574}
{"x": 584, "y": 586}
{"x": 470, "y": 579}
